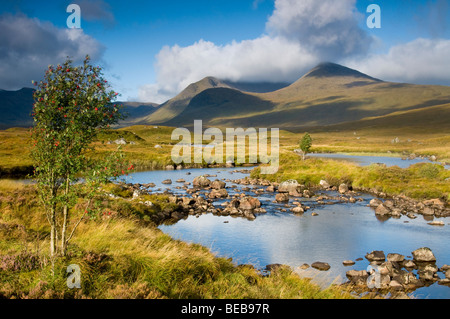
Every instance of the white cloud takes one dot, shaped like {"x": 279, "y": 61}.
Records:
{"x": 328, "y": 28}
{"x": 28, "y": 46}
{"x": 300, "y": 34}
{"x": 266, "y": 58}
{"x": 424, "y": 61}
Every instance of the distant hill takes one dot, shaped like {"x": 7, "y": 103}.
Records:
{"x": 176, "y": 105}
{"x": 135, "y": 111}
{"x": 15, "y": 108}
{"x": 329, "y": 94}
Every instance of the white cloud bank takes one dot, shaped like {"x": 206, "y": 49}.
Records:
{"x": 300, "y": 34}
{"x": 421, "y": 61}
{"x": 28, "y": 46}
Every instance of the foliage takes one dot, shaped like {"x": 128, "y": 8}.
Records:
{"x": 305, "y": 144}
{"x": 72, "y": 104}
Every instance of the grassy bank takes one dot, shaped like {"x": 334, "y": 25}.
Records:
{"x": 122, "y": 255}
{"x": 420, "y": 181}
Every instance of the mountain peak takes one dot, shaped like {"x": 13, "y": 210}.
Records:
{"x": 329, "y": 69}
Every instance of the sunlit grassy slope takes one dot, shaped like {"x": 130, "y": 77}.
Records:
{"x": 328, "y": 94}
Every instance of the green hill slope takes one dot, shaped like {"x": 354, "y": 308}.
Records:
{"x": 329, "y": 94}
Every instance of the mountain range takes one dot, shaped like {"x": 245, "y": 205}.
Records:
{"x": 329, "y": 95}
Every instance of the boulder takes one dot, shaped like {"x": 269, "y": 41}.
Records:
{"x": 382, "y": 210}
{"x": 348, "y": 262}
{"x": 322, "y": 266}
{"x": 218, "y": 184}
{"x": 282, "y": 197}
{"x": 395, "y": 258}
{"x": 218, "y": 193}
{"x": 409, "y": 264}
{"x": 423, "y": 254}
{"x": 249, "y": 203}
{"x": 292, "y": 187}
{"x": 324, "y": 184}
{"x": 428, "y": 211}
{"x": 298, "y": 210}
{"x": 375, "y": 202}
{"x": 201, "y": 181}
{"x": 343, "y": 188}
{"x": 357, "y": 277}
{"x": 167, "y": 181}
{"x": 120, "y": 141}
{"x": 376, "y": 255}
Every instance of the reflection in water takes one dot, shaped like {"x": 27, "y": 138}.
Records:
{"x": 339, "y": 232}
{"x": 367, "y": 160}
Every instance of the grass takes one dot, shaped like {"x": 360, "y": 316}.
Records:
{"x": 419, "y": 181}
{"x": 122, "y": 256}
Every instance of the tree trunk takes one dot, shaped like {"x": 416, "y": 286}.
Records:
{"x": 53, "y": 231}
{"x": 64, "y": 224}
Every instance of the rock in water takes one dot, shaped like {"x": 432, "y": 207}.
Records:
{"x": 343, "y": 188}
{"x": 423, "y": 254}
{"x": 290, "y": 186}
{"x": 201, "y": 181}
{"x": 376, "y": 255}
{"x": 282, "y": 197}
{"x": 320, "y": 266}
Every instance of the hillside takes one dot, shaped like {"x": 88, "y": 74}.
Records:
{"x": 176, "y": 105}
{"x": 329, "y": 94}
{"x": 16, "y": 107}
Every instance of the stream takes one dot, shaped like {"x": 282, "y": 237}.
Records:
{"x": 341, "y": 231}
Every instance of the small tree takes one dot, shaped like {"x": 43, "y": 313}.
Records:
{"x": 72, "y": 104}
{"x": 305, "y": 144}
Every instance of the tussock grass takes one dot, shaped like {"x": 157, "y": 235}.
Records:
{"x": 419, "y": 181}
{"x": 122, "y": 256}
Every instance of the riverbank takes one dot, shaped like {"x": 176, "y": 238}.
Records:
{"x": 123, "y": 255}
{"x": 419, "y": 181}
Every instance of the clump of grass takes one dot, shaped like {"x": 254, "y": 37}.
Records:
{"x": 419, "y": 181}
{"x": 122, "y": 257}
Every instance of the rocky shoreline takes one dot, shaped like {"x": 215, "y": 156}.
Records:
{"x": 200, "y": 197}
{"x": 396, "y": 273}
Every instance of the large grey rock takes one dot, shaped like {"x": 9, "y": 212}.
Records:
{"x": 218, "y": 193}
{"x": 218, "y": 184}
{"x": 120, "y": 141}
{"x": 291, "y": 187}
{"x": 395, "y": 257}
{"x": 376, "y": 255}
{"x": 322, "y": 266}
{"x": 282, "y": 197}
{"x": 343, "y": 188}
{"x": 357, "y": 277}
{"x": 423, "y": 254}
{"x": 201, "y": 181}
{"x": 375, "y": 202}
{"x": 382, "y": 210}
{"x": 298, "y": 210}
{"x": 249, "y": 203}
{"x": 324, "y": 184}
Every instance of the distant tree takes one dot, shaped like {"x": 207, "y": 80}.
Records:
{"x": 305, "y": 144}
{"x": 72, "y": 104}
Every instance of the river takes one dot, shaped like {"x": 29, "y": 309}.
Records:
{"x": 339, "y": 232}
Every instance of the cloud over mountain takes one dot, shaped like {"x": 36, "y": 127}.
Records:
{"x": 420, "y": 61}
{"x": 300, "y": 34}
{"x": 28, "y": 46}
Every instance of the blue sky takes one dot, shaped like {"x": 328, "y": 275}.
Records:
{"x": 153, "y": 49}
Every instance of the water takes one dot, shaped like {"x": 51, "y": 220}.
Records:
{"x": 367, "y": 160}
{"x": 340, "y": 232}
